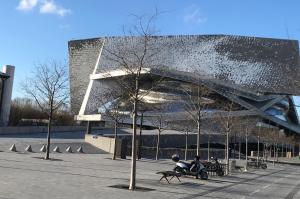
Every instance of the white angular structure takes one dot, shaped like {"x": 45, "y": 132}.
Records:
{"x": 6, "y": 86}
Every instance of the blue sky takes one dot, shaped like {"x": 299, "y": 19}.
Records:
{"x": 36, "y": 30}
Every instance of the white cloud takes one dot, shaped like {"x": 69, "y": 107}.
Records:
{"x": 26, "y": 5}
{"x": 46, "y": 7}
{"x": 193, "y": 14}
{"x": 50, "y": 7}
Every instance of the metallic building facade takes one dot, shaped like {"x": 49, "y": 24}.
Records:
{"x": 258, "y": 75}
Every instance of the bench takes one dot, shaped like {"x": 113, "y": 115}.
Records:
{"x": 166, "y": 174}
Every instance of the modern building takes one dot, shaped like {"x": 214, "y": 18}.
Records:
{"x": 244, "y": 77}
{"x": 6, "y": 86}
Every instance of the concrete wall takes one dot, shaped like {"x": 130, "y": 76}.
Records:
{"x": 39, "y": 129}
{"x": 7, "y": 92}
{"x": 104, "y": 143}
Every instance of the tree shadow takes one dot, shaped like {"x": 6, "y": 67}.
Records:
{"x": 50, "y": 159}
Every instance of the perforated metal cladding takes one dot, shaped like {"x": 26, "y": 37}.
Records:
{"x": 258, "y": 64}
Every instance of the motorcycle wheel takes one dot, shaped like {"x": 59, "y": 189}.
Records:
{"x": 179, "y": 170}
{"x": 220, "y": 173}
{"x": 263, "y": 166}
{"x": 203, "y": 175}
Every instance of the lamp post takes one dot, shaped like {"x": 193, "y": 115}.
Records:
{"x": 259, "y": 125}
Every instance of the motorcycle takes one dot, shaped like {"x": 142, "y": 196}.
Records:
{"x": 215, "y": 166}
{"x": 195, "y": 168}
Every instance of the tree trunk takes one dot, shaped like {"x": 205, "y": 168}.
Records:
{"x": 115, "y": 142}
{"x": 157, "y": 145}
{"x": 186, "y": 145}
{"x": 274, "y": 153}
{"x": 227, "y": 152}
{"x": 263, "y": 151}
{"x": 257, "y": 149}
{"x": 48, "y": 138}
{"x": 158, "y": 140}
{"x": 133, "y": 147}
{"x": 198, "y": 137}
{"x": 240, "y": 146}
{"x": 246, "y": 146}
{"x": 234, "y": 146}
{"x": 140, "y": 137}
{"x": 208, "y": 147}
{"x": 225, "y": 149}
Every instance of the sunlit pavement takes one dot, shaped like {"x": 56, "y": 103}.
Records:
{"x": 91, "y": 175}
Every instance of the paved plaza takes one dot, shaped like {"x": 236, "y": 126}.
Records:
{"x": 91, "y": 175}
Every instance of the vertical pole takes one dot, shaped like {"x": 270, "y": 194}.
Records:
{"x": 115, "y": 141}
{"x": 258, "y": 141}
{"x": 276, "y": 152}
{"x": 198, "y": 122}
{"x": 88, "y": 127}
{"x": 234, "y": 146}
{"x": 257, "y": 148}
{"x": 246, "y": 145}
{"x": 240, "y": 146}
{"x": 140, "y": 137}
{"x": 132, "y": 183}
{"x": 158, "y": 139}
{"x": 208, "y": 147}
{"x": 274, "y": 156}
{"x": 186, "y": 145}
{"x": 198, "y": 139}
{"x": 264, "y": 149}
{"x": 48, "y": 138}
{"x": 227, "y": 149}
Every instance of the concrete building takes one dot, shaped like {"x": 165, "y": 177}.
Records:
{"x": 257, "y": 76}
{"x": 6, "y": 86}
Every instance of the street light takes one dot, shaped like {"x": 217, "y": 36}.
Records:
{"x": 259, "y": 124}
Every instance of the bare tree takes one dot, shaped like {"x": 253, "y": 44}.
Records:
{"x": 133, "y": 57}
{"x": 247, "y": 124}
{"x": 195, "y": 102}
{"x": 230, "y": 119}
{"x": 110, "y": 106}
{"x": 159, "y": 123}
{"x": 227, "y": 121}
{"x": 48, "y": 87}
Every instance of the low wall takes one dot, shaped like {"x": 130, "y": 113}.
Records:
{"x": 105, "y": 143}
{"x": 38, "y": 129}
{"x": 279, "y": 154}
